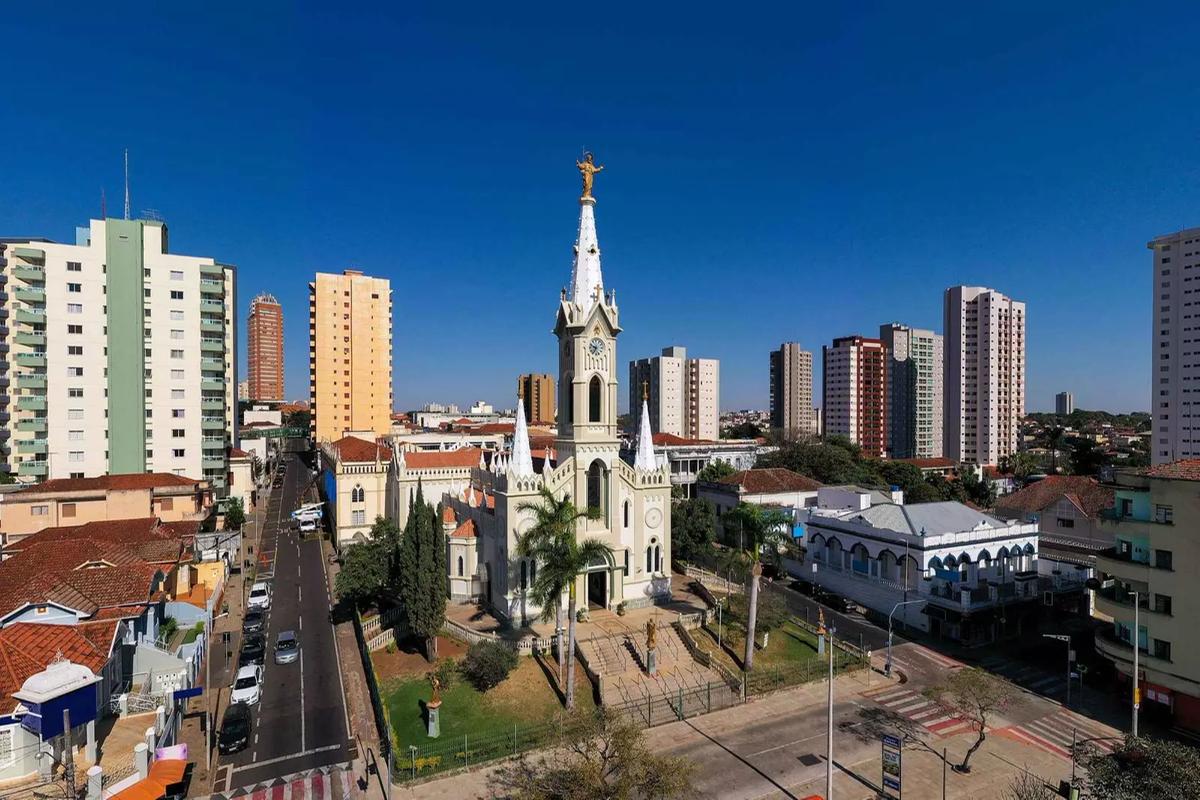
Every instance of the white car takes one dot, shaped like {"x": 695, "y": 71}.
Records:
{"x": 260, "y": 596}
{"x": 308, "y": 526}
{"x": 247, "y": 686}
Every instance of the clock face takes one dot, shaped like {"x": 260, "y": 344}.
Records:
{"x": 653, "y": 518}
{"x": 596, "y": 346}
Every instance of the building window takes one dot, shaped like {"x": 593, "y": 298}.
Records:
{"x": 166, "y": 504}
{"x": 74, "y": 329}
{"x": 178, "y": 394}
{"x": 68, "y": 509}
{"x": 74, "y": 349}
{"x": 177, "y": 413}
{"x": 594, "y": 392}
{"x": 179, "y": 453}
{"x": 524, "y": 574}
{"x": 39, "y": 511}
{"x": 1164, "y": 514}
{"x": 176, "y": 333}
{"x": 595, "y": 485}
{"x": 74, "y": 266}
{"x": 176, "y": 374}
{"x": 625, "y": 514}
{"x": 460, "y": 566}
{"x": 1162, "y": 649}
{"x": 75, "y": 456}
{"x": 1162, "y": 603}
{"x": 176, "y": 294}
{"x": 75, "y": 391}
{"x": 74, "y": 308}
{"x": 176, "y": 274}
{"x": 74, "y": 288}
{"x": 176, "y": 315}
{"x": 75, "y": 436}
{"x": 358, "y": 517}
{"x": 74, "y": 413}
{"x": 176, "y": 354}
{"x": 74, "y": 372}
{"x": 1163, "y": 559}
{"x": 649, "y": 559}
{"x": 1063, "y": 522}
{"x": 178, "y": 433}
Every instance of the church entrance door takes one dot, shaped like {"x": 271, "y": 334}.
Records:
{"x": 597, "y": 589}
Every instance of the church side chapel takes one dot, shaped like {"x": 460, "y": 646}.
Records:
{"x": 629, "y": 504}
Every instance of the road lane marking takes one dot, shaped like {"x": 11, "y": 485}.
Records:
{"x": 788, "y": 744}
{"x": 303, "y": 742}
{"x": 289, "y": 757}
{"x": 301, "y": 622}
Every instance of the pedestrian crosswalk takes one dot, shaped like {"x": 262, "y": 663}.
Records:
{"x": 1055, "y": 732}
{"x": 914, "y": 658}
{"x": 1027, "y": 676}
{"x": 917, "y": 708}
{"x": 325, "y": 783}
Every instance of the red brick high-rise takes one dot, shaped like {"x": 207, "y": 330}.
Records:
{"x": 265, "y": 345}
{"x": 855, "y": 392}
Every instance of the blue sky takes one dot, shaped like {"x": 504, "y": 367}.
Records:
{"x": 788, "y": 174}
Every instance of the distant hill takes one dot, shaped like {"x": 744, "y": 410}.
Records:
{"x": 1081, "y": 418}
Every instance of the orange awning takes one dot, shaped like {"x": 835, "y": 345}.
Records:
{"x": 163, "y": 773}
{"x": 142, "y": 790}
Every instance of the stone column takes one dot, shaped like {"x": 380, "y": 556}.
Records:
{"x": 433, "y": 723}
{"x": 90, "y": 751}
{"x": 150, "y": 738}
{"x": 141, "y": 759}
{"x": 95, "y": 782}
{"x": 160, "y": 719}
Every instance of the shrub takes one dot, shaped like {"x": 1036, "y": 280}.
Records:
{"x": 447, "y": 672}
{"x": 621, "y": 609}
{"x": 487, "y": 664}
{"x": 581, "y": 615}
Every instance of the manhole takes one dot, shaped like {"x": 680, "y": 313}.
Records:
{"x": 809, "y": 760}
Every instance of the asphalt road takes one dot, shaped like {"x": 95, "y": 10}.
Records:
{"x": 300, "y": 723}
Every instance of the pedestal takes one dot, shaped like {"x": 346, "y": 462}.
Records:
{"x": 433, "y": 725}
{"x": 652, "y": 661}
{"x": 821, "y": 644}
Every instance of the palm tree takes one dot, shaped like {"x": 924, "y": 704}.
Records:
{"x": 1054, "y": 440}
{"x": 759, "y": 531}
{"x": 552, "y": 543}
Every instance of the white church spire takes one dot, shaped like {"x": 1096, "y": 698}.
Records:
{"x": 521, "y": 463}
{"x": 644, "y": 459}
{"x": 587, "y": 284}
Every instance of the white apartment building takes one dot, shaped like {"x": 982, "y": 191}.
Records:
{"x": 914, "y": 389}
{"x": 118, "y": 356}
{"x": 1064, "y": 403}
{"x": 684, "y": 393}
{"x": 1175, "y": 358}
{"x": 984, "y": 391}
{"x": 792, "y": 408}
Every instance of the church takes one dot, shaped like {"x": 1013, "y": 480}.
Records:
{"x": 480, "y": 508}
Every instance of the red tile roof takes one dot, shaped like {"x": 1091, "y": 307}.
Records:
{"x": 356, "y": 450}
{"x": 495, "y": 427}
{"x": 237, "y": 452}
{"x": 448, "y": 516}
{"x": 443, "y": 459}
{"x": 668, "y": 439}
{"x": 468, "y": 530}
{"x": 135, "y": 480}
{"x": 28, "y": 648}
{"x": 769, "y": 481}
{"x": 1086, "y": 492}
{"x": 1185, "y": 470}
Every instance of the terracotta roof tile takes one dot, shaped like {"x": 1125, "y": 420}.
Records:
{"x": 669, "y": 439}
{"x": 27, "y": 648}
{"x": 768, "y": 481}
{"x": 443, "y": 459}
{"x": 135, "y": 480}
{"x": 1087, "y": 493}
{"x": 1185, "y": 470}
{"x": 448, "y": 516}
{"x": 355, "y": 450}
{"x": 468, "y": 530}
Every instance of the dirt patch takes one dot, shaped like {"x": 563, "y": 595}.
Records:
{"x": 408, "y": 661}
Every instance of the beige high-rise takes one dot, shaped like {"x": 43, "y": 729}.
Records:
{"x": 791, "y": 391}
{"x": 349, "y": 354}
{"x": 684, "y": 393}
{"x": 538, "y": 391}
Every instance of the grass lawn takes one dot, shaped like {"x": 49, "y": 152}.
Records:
{"x": 524, "y": 698}
{"x": 192, "y": 633}
{"x": 787, "y": 646}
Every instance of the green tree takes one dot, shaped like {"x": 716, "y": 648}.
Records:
{"x": 693, "y": 528}
{"x": 363, "y": 577}
{"x": 974, "y": 696}
{"x": 422, "y": 587}
{"x": 235, "y": 514}
{"x": 715, "y": 470}
{"x": 1027, "y": 786}
{"x": 1143, "y": 769}
{"x": 607, "y": 758}
{"x": 746, "y": 430}
{"x": 1022, "y": 465}
{"x": 979, "y": 489}
{"x": 898, "y": 473}
{"x": 922, "y": 493}
{"x": 487, "y": 664}
{"x": 553, "y": 543}
{"x": 756, "y": 530}
{"x": 1086, "y": 457}
{"x": 1054, "y": 442}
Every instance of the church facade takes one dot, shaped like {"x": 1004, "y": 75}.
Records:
{"x": 632, "y": 501}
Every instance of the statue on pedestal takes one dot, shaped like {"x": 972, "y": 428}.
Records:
{"x": 433, "y": 725}
{"x": 588, "y": 169}
{"x": 651, "y": 647}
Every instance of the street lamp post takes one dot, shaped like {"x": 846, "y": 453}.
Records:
{"x": 1137, "y": 688}
{"x": 829, "y": 729}
{"x": 887, "y": 667}
{"x": 1070, "y": 657}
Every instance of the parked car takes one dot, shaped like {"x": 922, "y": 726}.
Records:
{"x": 254, "y": 649}
{"x": 287, "y": 648}
{"x": 254, "y": 621}
{"x": 802, "y": 586}
{"x": 247, "y": 686}
{"x": 234, "y": 734}
{"x": 260, "y": 596}
{"x": 835, "y": 601}
{"x": 308, "y": 526}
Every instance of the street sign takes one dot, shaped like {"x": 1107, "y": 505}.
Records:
{"x": 892, "y": 763}
{"x": 195, "y": 691}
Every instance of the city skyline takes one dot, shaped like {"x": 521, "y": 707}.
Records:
{"x": 1032, "y": 196}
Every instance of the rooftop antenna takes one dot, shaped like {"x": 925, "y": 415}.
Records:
{"x": 126, "y": 183}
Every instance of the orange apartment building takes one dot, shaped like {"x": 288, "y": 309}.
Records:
{"x": 264, "y": 346}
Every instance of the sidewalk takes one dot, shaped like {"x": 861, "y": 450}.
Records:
{"x": 220, "y": 670}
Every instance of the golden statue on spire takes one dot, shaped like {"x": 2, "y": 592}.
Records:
{"x": 588, "y": 169}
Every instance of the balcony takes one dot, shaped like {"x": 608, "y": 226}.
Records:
{"x": 212, "y": 326}
{"x": 31, "y": 316}
{"x": 212, "y": 424}
{"x": 213, "y": 385}
{"x": 206, "y": 345}
{"x": 35, "y": 425}
{"x": 29, "y": 380}
{"x": 1115, "y": 517}
{"x": 29, "y": 272}
{"x": 31, "y": 338}
{"x": 30, "y": 294}
{"x": 33, "y": 468}
{"x": 1124, "y": 565}
{"x": 213, "y": 462}
{"x": 212, "y": 269}
{"x": 31, "y": 403}
{"x": 210, "y": 286}
{"x": 212, "y": 404}
{"x": 35, "y": 446}
{"x": 30, "y": 359}
{"x": 217, "y": 306}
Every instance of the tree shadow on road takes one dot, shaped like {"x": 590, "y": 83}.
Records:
{"x": 874, "y": 723}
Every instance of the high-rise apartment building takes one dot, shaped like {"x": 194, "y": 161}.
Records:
{"x": 854, "y": 392}
{"x": 914, "y": 391}
{"x": 1064, "y": 403}
{"x": 264, "y": 345}
{"x": 349, "y": 354}
{"x": 538, "y": 391}
{"x": 984, "y": 391}
{"x": 684, "y": 393}
{"x": 1175, "y": 359}
{"x": 791, "y": 391}
{"x": 119, "y": 355}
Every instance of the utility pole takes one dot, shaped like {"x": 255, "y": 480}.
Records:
{"x": 829, "y": 729}
{"x": 1137, "y": 637}
{"x": 68, "y": 757}
{"x": 208, "y": 643}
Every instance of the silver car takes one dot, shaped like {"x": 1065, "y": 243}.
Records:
{"x": 287, "y": 648}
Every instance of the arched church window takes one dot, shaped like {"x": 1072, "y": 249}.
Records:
{"x": 658, "y": 558}
{"x": 649, "y": 559}
{"x": 524, "y": 574}
{"x": 357, "y": 495}
{"x": 625, "y": 514}
{"x": 594, "y": 391}
{"x": 597, "y": 476}
{"x": 460, "y": 566}
{"x": 627, "y": 561}
{"x": 566, "y": 401}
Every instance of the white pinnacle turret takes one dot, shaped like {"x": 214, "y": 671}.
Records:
{"x": 587, "y": 284}
{"x": 521, "y": 463}
{"x": 644, "y": 459}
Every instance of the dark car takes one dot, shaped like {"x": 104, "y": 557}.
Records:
{"x": 802, "y": 586}
{"x": 235, "y": 729}
{"x": 835, "y": 601}
{"x": 254, "y": 650}
{"x": 254, "y": 621}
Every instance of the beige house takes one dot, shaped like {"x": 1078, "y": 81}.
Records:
{"x": 75, "y": 501}
{"x": 354, "y": 475}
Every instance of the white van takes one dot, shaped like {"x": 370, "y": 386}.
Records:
{"x": 308, "y": 526}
